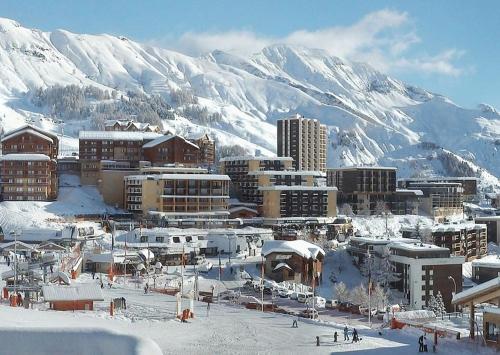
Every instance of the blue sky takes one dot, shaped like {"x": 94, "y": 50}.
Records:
{"x": 449, "y": 47}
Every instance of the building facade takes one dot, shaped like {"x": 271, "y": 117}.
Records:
{"x": 469, "y": 184}
{"x": 29, "y": 165}
{"x": 424, "y": 271}
{"x": 171, "y": 149}
{"x": 207, "y": 148}
{"x": 304, "y": 140}
{"x": 245, "y": 186}
{"x": 485, "y": 269}
{"x": 298, "y": 201}
{"x": 176, "y": 193}
{"x": 492, "y": 227}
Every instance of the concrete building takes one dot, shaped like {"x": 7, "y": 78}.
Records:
{"x": 372, "y": 190}
{"x": 469, "y": 184}
{"x": 304, "y": 140}
{"x": 176, "y": 193}
{"x": 492, "y": 226}
{"x": 424, "y": 271}
{"x": 130, "y": 126}
{"x": 29, "y": 164}
{"x": 461, "y": 238}
{"x": 296, "y": 261}
{"x": 243, "y": 185}
{"x": 439, "y": 199}
{"x": 298, "y": 201}
{"x": 485, "y": 269}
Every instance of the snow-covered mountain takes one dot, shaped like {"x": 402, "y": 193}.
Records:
{"x": 372, "y": 118}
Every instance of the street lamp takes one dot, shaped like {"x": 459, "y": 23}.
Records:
{"x": 454, "y": 293}
{"x": 15, "y": 234}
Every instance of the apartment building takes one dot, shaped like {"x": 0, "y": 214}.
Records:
{"x": 485, "y": 269}
{"x": 28, "y": 177}
{"x": 130, "y": 126}
{"x": 243, "y": 185}
{"x": 169, "y": 149}
{"x": 280, "y": 201}
{"x": 176, "y": 193}
{"x": 95, "y": 146}
{"x": 207, "y": 148}
{"x": 29, "y": 164}
{"x": 425, "y": 270}
{"x": 304, "y": 140}
{"x": 439, "y": 199}
{"x": 461, "y": 238}
{"x": 469, "y": 184}
{"x": 492, "y": 227}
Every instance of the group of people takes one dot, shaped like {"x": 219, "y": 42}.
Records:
{"x": 422, "y": 344}
{"x": 355, "y": 336}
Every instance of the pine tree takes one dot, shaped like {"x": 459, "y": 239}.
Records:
{"x": 441, "y": 309}
{"x": 386, "y": 275}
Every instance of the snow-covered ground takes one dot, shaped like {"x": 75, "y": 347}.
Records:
{"x": 73, "y": 199}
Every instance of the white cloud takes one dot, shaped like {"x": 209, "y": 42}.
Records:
{"x": 382, "y": 39}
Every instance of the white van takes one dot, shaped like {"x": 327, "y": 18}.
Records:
{"x": 303, "y": 297}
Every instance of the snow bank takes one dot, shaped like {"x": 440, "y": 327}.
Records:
{"x": 77, "y": 341}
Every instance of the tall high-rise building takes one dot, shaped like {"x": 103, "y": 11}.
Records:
{"x": 303, "y": 139}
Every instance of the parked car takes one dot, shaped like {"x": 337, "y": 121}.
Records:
{"x": 303, "y": 297}
{"x": 332, "y": 304}
{"x": 294, "y": 295}
{"x": 206, "y": 266}
{"x": 284, "y": 293}
{"x": 345, "y": 306}
{"x": 319, "y": 302}
{"x": 355, "y": 309}
{"x": 365, "y": 310}
{"x": 309, "y": 313}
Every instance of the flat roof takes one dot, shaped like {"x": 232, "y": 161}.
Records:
{"x": 288, "y": 172}
{"x": 440, "y": 178}
{"x": 363, "y": 167}
{"x": 178, "y": 177}
{"x": 297, "y": 188}
{"x": 416, "y": 247}
{"x": 250, "y": 157}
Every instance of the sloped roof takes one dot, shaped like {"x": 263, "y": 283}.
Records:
{"x": 77, "y": 292}
{"x": 300, "y": 247}
{"x": 118, "y": 135}
{"x": 20, "y": 246}
{"x": 477, "y": 291}
{"x": 165, "y": 138}
{"x": 25, "y": 157}
{"x": 32, "y": 130}
{"x": 282, "y": 265}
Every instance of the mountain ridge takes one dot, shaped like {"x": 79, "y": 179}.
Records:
{"x": 371, "y": 116}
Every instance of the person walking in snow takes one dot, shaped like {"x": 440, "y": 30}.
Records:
{"x": 355, "y": 337}
{"x": 335, "y": 335}
{"x": 346, "y": 333}
{"x": 425, "y": 343}
{"x": 420, "y": 343}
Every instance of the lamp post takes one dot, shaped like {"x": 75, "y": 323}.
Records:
{"x": 454, "y": 293}
{"x": 15, "y": 233}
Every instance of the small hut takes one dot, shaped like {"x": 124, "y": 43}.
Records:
{"x": 71, "y": 298}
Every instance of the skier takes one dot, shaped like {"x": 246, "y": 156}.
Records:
{"x": 346, "y": 333}
{"x": 295, "y": 324}
{"x": 208, "y": 308}
{"x": 51, "y": 269}
{"x": 425, "y": 344}
{"x": 335, "y": 335}
{"x": 124, "y": 303}
{"x": 102, "y": 285}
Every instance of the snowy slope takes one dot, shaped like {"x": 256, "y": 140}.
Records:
{"x": 372, "y": 118}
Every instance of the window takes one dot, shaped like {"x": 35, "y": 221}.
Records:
{"x": 144, "y": 238}
{"x": 160, "y": 239}
{"x": 176, "y": 239}
{"x": 188, "y": 239}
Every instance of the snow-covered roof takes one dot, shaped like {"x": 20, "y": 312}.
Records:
{"x": 281, "y": 265}
{"x": 178, "y": 177}
{"x": 363, "y": 167}
{"x": 20, "y": 246}
{"x": 251, "y": 157}
{"x": 300, "y": 247}
{"x": 415, "y": 192}
{"x": 416, "y": 246}
{"x": 60, "y": 275}
{"x": 494, "y": 310}
{"x": 31, "y": 130}
{"x": 487, "y": 218}
{"x": 488, "y": 286}
{"x": 464, "y": 178}
{"x": 75, "y": 292}
{"x": 288, "y": 172}
{"x": 297, "y": 188}
{"x": 492, "y": 261}
{"x": 457, "y": 227}
{"x": 419, "y": 314}
{"x": 174, "y": 169}
{"x": 25, "y": 157}
{"x": 242, "y": 208}
{"x": 165, "y": 138}
{"x": 147, "y": 254}
{"x": 117, "y": 135}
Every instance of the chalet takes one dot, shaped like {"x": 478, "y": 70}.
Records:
{"x": 171, "y": 149}
{"x": 73, "y": 297}
{"x": 297, "y": 261}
